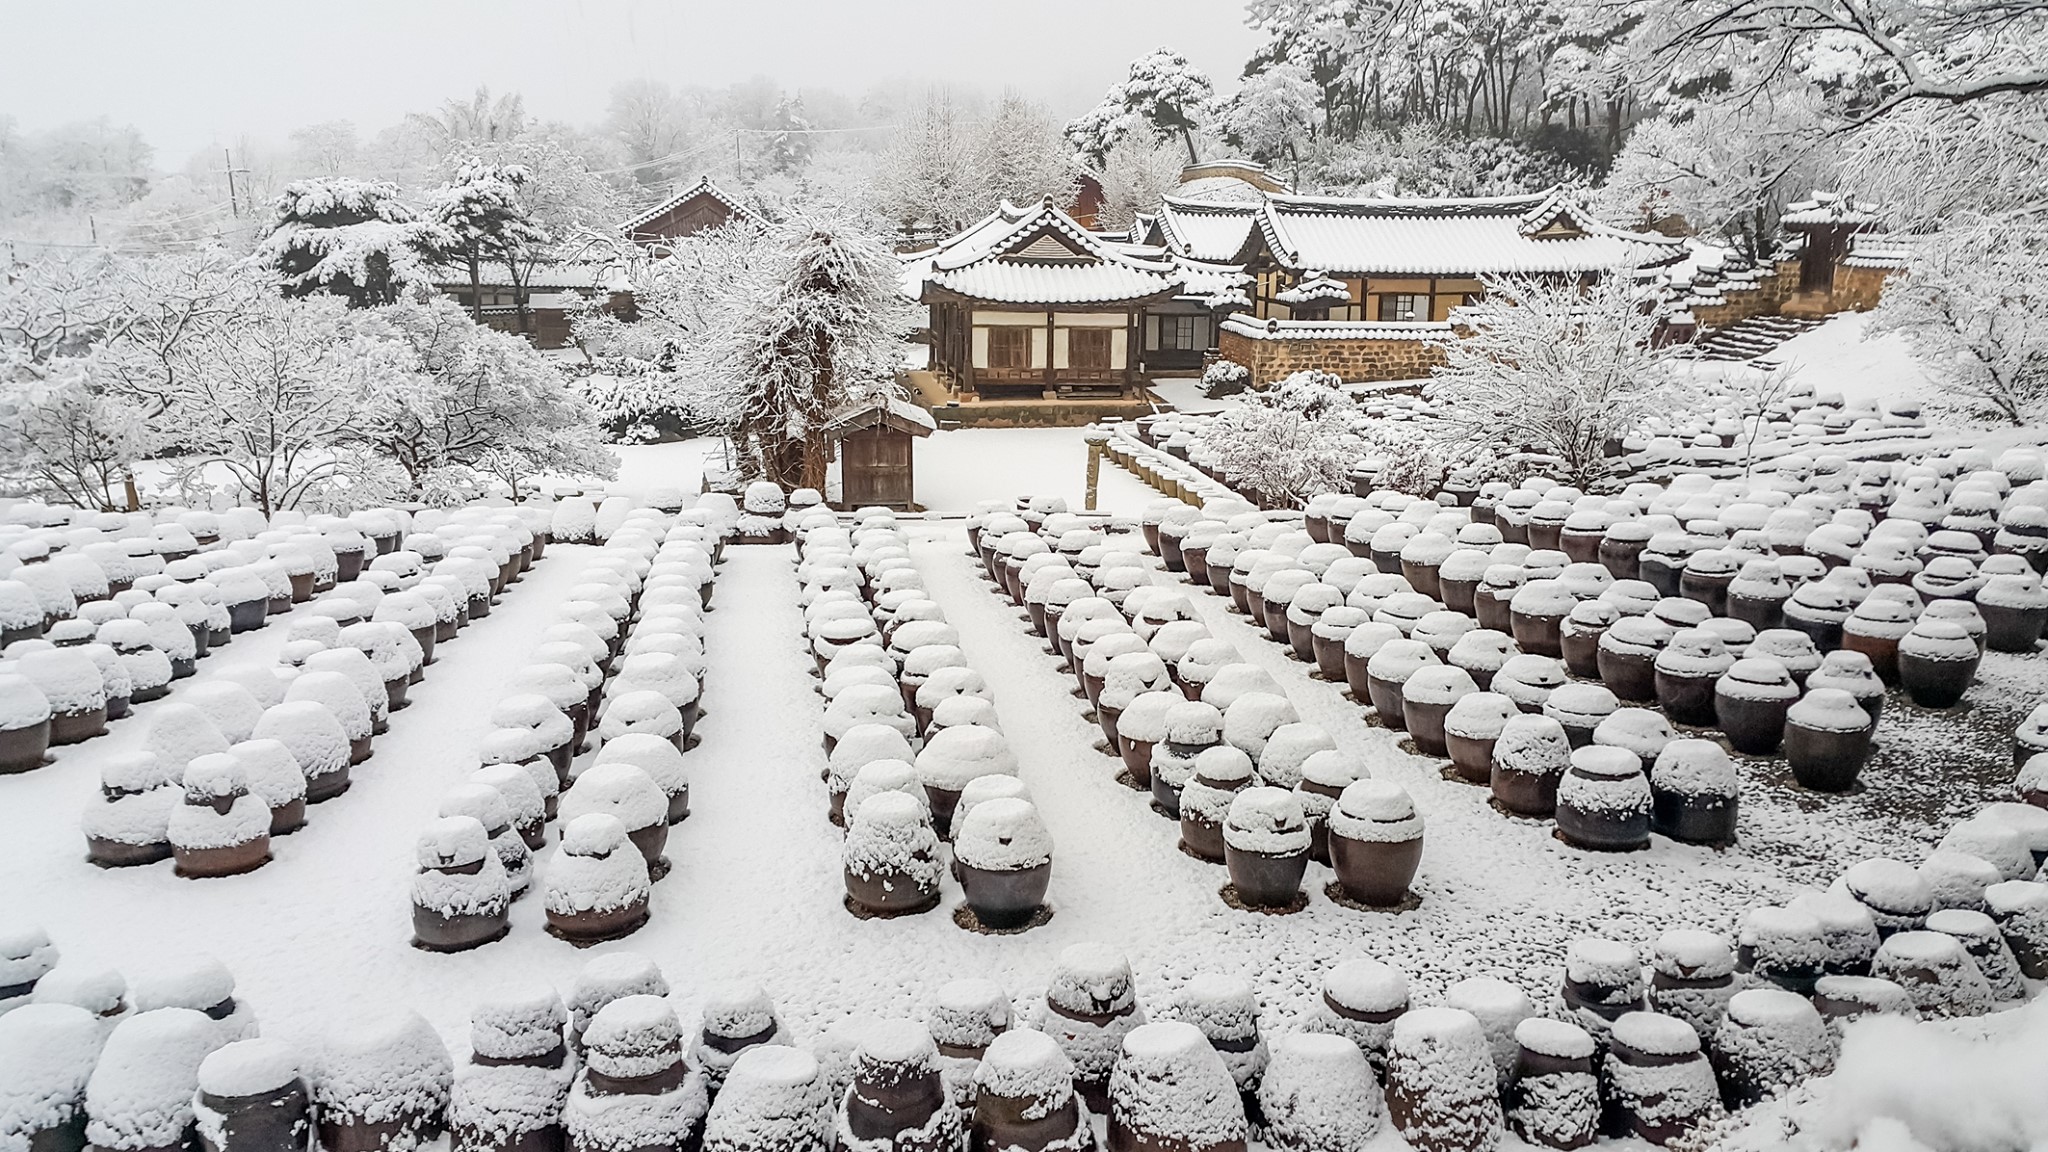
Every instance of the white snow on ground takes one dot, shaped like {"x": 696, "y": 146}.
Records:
{"x": 1840, "y": 356}
{"x": 322, "y": 933}
{"x": 955, "y": 469}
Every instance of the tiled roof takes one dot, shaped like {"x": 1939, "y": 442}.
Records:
{"x": 1040, "y": 255}
{"x": 1206, "y": 229}
{"x": 1828, "y": 208}
{"x": 564, "y": 276}
{"x": 1335, "y": 329}
{"x": 1440, "y": 237}
{"x": 703, "y": 187}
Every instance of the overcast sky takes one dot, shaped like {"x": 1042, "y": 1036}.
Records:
{"x": 190, "y": 73}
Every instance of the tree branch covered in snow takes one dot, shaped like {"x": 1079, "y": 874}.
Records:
{"x": 351, "y": 238}
{"x": 1162, "y": 94}
{"x": 1973, "y": 303}
{"x": 1549, "y": 373}
{"x": 1289, "y": 442}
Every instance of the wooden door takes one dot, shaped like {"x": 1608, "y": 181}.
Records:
{"x": 874, "y": 468}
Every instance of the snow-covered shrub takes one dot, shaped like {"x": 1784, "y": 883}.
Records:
{"x": 1289, "y": 441}
{"x": 1224, "y": 378}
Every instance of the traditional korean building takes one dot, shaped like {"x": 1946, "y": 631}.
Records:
{"x": 698, "y": 208}
{"x": 553, "y": 293}
{"x": 1361, "y": 286}
{"x": 1028, "y": 303}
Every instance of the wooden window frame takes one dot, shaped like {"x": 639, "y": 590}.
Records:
{"x": 1391, "y": 310}
{"x": 1090, "y": 349}
{"x": 1009, "y": 347}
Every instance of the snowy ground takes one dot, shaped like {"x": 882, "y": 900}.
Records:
{"x": 321, "y": 933}
{"x": 955, "y": 469}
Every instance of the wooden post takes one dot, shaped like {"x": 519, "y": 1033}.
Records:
{"x": 1098, "y": 439}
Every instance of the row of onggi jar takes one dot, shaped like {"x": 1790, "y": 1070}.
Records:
{"x": 916, "y": 757}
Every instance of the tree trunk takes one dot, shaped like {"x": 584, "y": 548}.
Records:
{"x": 476, "y": 288}
{"x": 1187, "y": 137}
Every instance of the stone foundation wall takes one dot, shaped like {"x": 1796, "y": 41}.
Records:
{"x": 1355, "y": 360}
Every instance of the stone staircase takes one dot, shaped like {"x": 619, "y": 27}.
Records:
{"x": 1751, "y": 338}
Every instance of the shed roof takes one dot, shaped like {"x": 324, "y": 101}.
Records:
{"x": 888, "y": 411}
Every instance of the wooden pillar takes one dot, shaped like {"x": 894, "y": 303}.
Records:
{"x": 1051, "y": 338}
{"x": 1097, "y": 441}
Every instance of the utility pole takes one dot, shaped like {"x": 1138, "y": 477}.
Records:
{"x": 229, "y": 158}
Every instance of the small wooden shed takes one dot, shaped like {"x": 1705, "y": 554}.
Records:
{"x": 873, "y": 441}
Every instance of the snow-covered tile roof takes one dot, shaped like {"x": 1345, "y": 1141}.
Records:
{"x": 1885, "y": 250}
{"x": 703, "y": 187}
{"x": 1040, "y": 255}
{"x": 1335, "y": 329}
{"x": 1207, "y": 230}
{"x": 1828, "y": 208}
{"x": 1451, "y": 237}
{"x": 563, "y": 276}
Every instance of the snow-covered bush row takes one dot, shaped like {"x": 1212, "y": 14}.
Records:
{"x": 622, "y": 668}
{"x": 917, "y": 758}
{"x": 1213, "y": 739}
{"x": 237, "y": 757}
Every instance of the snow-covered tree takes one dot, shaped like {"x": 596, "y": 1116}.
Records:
{"x": 1973, "y": 304}
{"x": 651, "y": 123}
{"x": 661, "y": 372}
{"x": 481, "y": 119}
{"x": 481, "y": 402}
{"x": 1275, "y": 114}
{"x": 827, "y": 330}
{"x": 487, "y": 221}
{"x": 1548, "y": 373}
{"x": 279, "y": 401}
{"x": 351, "y": 238}
{"x": 1134, "y": 176}
{"x": 789, "y": 138}
{"x": 1290, "y": 441}
{"x": 1021, "y": 157}
{"x": 930, "y": 170}
{"x": 64, "y": 437}
{"x": 329, "y": 148}
{"x": 1727, "y": 170}
{"x": 1163, "y": 92}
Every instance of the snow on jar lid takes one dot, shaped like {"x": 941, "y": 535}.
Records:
{"x": 1889, "y": 886}
{"x": 1580, "y": 704}
{"x": 1757, "y": 678}
{"x": 1693, "y": 954}
{"x": 1398, "y": 659}
{"x": 1502, "y": 576}
{"x": 1427, "y": 549}
{"x": 1479, "y": 715}
{"x": 1936, "y": 639}
{"x": 248, "y": 1068}
{"x": 1604, "y": 762}
{"x": 1543, "y": 597}
{"x": 1637, "y": 636}
{"x": 1436, "y": 684}
{"x": 1375, "y": 810}
{"x": 1365, "y": 986}
{"x": 1090, "y": 978}
{"x": 1598, "y": 961}
{"x": 1554, "y": 1038}
{"x": 1588, "y": 615}
{"x": 1694, "y": 652}
{"x": 1681, "y": 612}
{"x": 1711, "y": 562}
{"x": 1655, "y": 1034}
{"x": 2016, "y": 592}
{"x": 1829, "y": 710}
{"x": 1265, "y": 819}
